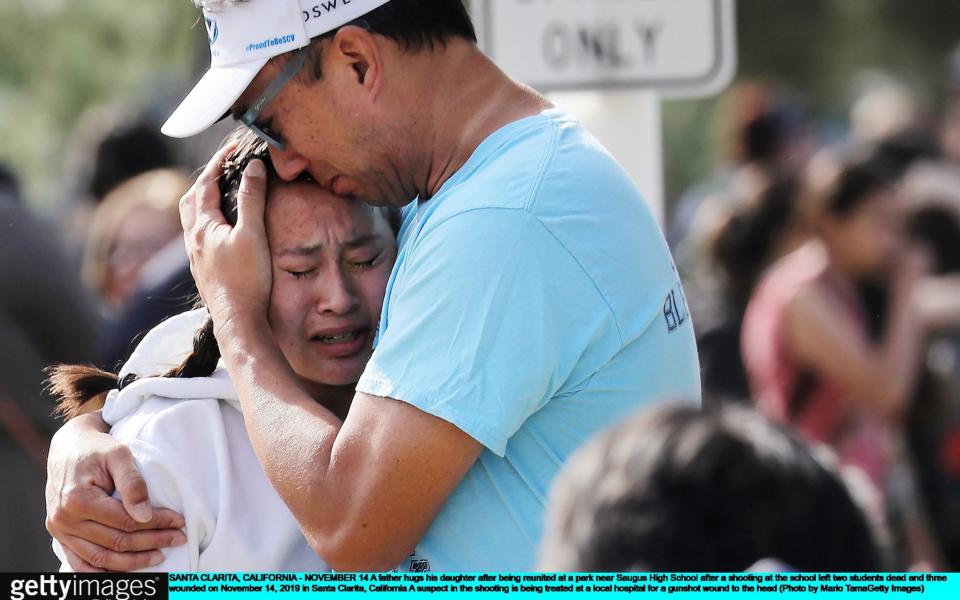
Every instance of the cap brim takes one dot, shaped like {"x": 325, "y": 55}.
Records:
{"x": 213, "y": 96}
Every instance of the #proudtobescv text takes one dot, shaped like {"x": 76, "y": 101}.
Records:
{"x": 52, "y": 586}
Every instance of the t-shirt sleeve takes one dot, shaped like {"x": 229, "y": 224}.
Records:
{"x": 487, "y": 318}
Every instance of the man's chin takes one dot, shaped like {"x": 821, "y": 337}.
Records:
{"x": 384, "y": 200}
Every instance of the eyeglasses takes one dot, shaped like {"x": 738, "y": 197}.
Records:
{"x": 289, "y": 70}
{"x": 249, "y": 118}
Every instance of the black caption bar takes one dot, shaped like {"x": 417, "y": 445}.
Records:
{"x": 84, "y": 586}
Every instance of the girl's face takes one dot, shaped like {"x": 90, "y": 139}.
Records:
{"x": 866, "y": 240}
{"x": 332, "y": 258}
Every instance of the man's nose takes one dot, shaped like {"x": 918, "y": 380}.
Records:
{"x": 287, "y": 163}
{"x": 336, "y": 295}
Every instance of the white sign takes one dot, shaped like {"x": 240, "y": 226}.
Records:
{"x": 674, "y": 47}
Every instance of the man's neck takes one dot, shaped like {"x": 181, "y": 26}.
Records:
{"x": 470, "y": 99}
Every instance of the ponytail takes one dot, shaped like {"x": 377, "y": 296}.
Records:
{"x": 83, "y": 388}
{"x": 80, "y": 388}
{"x": 202, "y": 362}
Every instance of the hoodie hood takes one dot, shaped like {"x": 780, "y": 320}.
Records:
{"x": 165, "y": 347}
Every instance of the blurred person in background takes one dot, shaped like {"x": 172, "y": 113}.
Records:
{"x": 113, "y": 144}
{"x": 726, "y": 230}
{"x": 949, "y": 123}
{"x": 46, "y": 316}
{"x": 679, "y": 489}
{"x": 110, "y": 146}
{"x": 766, "y": 138}
{"x": 884, "y": 108}
{"x": 902, "y": 151}
{"x": 166, "y": 289}
{"x": 950, "y": 131}
{"x": 760, "y": 230}
{"x": 163, "y": 286}
{"x": 806, "y": 335}
{"x": 134, "y": 222}
{"x": 934, "y": 418}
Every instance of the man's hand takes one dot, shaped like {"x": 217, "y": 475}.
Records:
{"x": 231, "y": 265}
{"x": 99, "y": 532}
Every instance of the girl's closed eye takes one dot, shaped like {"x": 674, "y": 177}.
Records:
{"x": 300, "y": 274}
{"x": 365, "y": 264}
{"x": 362, "y": 262}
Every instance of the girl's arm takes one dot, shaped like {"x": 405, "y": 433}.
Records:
{"x": 876, "y": 376}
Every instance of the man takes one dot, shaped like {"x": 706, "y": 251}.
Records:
{"x": 533, "y": 302}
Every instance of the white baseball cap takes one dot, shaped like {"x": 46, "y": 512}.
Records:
{"x": 243, "y": 37}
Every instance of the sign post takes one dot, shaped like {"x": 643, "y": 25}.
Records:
{"x": 611, "y": 62}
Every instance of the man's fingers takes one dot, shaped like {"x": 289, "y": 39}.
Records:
{"x": 126, "y": 541}
{"x": 203, "y": 190}
{"x": 164, "y": 518}
{"x": 188, "y": 210}
{"x": 129, "y": 484}
{"x": 252, "y": 196}
{"x": 110, "y": 512}
{"x": 209, "y": 214}
{"x": 99, "y": 557}
{"x": 78, "y": 564}
{"x": 207, "y": 194}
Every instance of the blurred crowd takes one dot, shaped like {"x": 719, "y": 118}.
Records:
{"x": 81, "y": 285}
{"x": 822, "y": 269}
{"x": 821, "y": 263}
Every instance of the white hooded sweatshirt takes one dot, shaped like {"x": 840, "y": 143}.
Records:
{"x": 189, "y": 441}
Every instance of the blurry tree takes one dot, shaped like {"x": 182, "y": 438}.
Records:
{"x": 816, "y": 48}
{"x": 59, "y": 57}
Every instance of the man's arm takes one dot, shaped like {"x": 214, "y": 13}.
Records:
{"x": 364, "y": 491}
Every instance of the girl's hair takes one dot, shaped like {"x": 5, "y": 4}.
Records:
{"x": 857, "y": 183}
{"x": 938, "y": 227}
{"x": 80, "y": 387}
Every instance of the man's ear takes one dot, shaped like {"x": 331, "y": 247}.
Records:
{"x": 356, "y": 49}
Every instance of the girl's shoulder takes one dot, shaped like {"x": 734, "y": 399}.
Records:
{"x": 166, "y": 404}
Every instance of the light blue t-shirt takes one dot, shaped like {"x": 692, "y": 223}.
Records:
{"x": 533, "y": 304}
